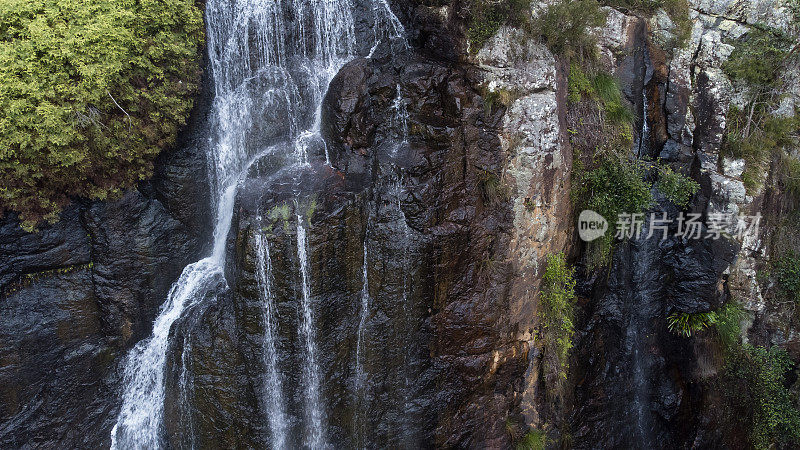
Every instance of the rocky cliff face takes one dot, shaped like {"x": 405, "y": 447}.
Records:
{"x": 448, "y": 185}
{"x": 78, "y": 294}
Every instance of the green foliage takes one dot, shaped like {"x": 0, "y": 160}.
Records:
{"x": 610, "y": 96}
{"x": 602, "y": 88}
{"x": 754, "y": 132}
{"x": 678, "y": 188}
{"x": 759, "y": 57}
{"x": 565, "y": 26}
{"x": 687, "y": 323}
{"x": 789, "y": 174}
{"x": 786, "y": 271}
{"x": 756, "y": 135}
{"x": 488, "y": 16}
{"x": 616, "y": 186}
{"x": 578, "y": 84}
{"x": 727, "y": 321}
{"x": 558, "y": 303}
{"x": 280, "y": 212}
{"x": 755, "y": 378}
{"x": 534, "y": 439}
{"x": 754, "y": 384}
{"x": 90, "y": 91}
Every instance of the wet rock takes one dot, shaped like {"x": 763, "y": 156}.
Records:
{"x": 76, "y": 295}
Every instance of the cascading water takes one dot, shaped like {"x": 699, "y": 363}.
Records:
{"x": 274, "y": 404}
{"x": 362, "y": 313}
{"x": 271, "y": 63}
{"x": 311, "y": 386}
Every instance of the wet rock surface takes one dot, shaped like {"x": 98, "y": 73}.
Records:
{"x": 77, "y": 294}
{"x": 448, "y": 200}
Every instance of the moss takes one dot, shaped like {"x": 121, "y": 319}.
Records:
{"x": 28, "y": 278}
{"x": 90, "y": 92}
{"x": 280, "y": 212}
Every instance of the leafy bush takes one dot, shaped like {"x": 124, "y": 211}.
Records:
{"x": 558, "y": 302}
{"x": 755, "y": 133}
{"x": 687, "y": 323}
{"x": 755, "y": 378}
{"x": 677, "y": 188}
{"x": 566, "y": 26}
{"x": 533, "y": 440}
{"x": 727, "y": 320}
{"x": 787, "y": 276}
{"x": 616, "y": 186}
{"x": 754, "y": 384}
{"x": 90, "y": 92}
{"x": 487, "y": 17}
{"x": 759, "y": 57}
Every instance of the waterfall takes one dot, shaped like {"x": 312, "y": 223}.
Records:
{"x": 270, "y": 62}
{"x": 274, "y": 405}
{"x": 362, "y": 313}
{"x": 645, "y": 135}
{"x": 311, "y": 368}
{"x": 400, "y": 119}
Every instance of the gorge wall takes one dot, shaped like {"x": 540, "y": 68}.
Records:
{"x": 418, "y": 233}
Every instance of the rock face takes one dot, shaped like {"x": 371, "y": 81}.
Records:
{"x": 447, "y": 187}
{"x": 76, "y": 295}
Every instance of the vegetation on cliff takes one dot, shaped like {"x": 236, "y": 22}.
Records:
{"x": 90, "y": 92}
{"x": 557, "y": 316}
{"x": 754, "y": 384}
{"x": 754, "y": 132}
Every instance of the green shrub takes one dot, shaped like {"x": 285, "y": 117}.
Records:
{"x": 757, "y": 136}
{"x": 756, "y": 385}
{"x": 90, "y": 92}
{"x": 603, "y": 89}
{"x": 677, "y": 188}
{"x": 687, "y": 323}
{"x": 558, "y": 303}
{"x": 754, "y": 132}
{"x": 566, "y": 25}
{"x": 759, "y": 57}
{"x": 786, "y": 271}
{"x": 616, "y": 186}
{"x": 727, "y": 321}
{"x": 488, "y": 16}
{"x": 533, "y": 440}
